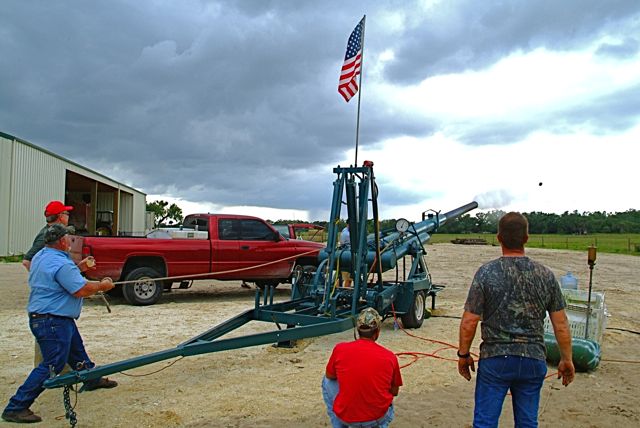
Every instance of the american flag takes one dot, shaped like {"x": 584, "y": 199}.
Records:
{"x": 348, "y": 85}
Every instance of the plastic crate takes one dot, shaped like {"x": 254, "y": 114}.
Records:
{"x": 577, "y": 314}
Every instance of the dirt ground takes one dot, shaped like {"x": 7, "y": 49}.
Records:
{"x": 272, "y": 387}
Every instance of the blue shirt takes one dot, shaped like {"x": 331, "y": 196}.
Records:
{"x": 53, "y": 279}
{"x": 344, "y": 236}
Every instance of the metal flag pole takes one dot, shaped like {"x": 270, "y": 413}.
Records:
{"x": 364, "y": 18}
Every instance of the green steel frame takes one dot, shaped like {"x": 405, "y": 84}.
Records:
{"x": 318, "y": 306}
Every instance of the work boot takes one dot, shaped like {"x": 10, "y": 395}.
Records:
{"x": 24, "y": 416}
{"x": 103, "y": 382}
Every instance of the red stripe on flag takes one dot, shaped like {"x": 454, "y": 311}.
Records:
{"x": 348, "y": 86}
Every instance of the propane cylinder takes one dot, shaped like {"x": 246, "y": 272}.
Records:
{"x": 586, "y": 354}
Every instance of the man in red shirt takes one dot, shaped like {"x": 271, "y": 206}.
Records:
{"x": 362, "y": 378}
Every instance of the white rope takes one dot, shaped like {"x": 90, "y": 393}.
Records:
{"x": 198, "y": 275}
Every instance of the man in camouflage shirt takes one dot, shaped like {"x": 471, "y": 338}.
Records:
{"x": 511, "y": 296}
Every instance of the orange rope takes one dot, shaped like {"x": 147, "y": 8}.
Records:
{"x": 417, "y": 355}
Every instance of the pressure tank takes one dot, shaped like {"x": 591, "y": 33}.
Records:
{"x": 586, "y": 354}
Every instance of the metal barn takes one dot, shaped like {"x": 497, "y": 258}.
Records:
{"x": 31, "y": 176}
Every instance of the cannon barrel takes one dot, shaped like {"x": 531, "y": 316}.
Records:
{"x": 395, "y": 245}
{"x": 457, "y": 212}
{"x": 430, "y": 224}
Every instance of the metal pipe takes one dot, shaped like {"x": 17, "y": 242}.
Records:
{"x": 400, "y": 244}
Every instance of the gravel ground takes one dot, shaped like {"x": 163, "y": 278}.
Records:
{"x": 267, "y": 387}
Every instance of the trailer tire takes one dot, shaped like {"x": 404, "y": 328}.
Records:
{"x": 416, "y": 314}
{"x": 145, "y": 291}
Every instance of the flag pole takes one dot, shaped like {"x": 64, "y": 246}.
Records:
{"x": 364, "y": 19}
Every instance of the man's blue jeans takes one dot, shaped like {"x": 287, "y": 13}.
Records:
{"x": 60, "y": 343}
{"x": 497, "y": 375}
{"x": 330, "y": 390}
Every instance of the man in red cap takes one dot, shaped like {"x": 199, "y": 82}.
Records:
{"x": 54, "y": 212}
{"x": 55, "y": 303}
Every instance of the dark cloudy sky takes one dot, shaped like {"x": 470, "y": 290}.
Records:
{"x": 233, "y": 105}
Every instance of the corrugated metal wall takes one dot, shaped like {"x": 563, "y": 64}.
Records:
{"x": 36, "y": 178}
{"x": 30, "y": 177}
{"x": 6, "y": 150}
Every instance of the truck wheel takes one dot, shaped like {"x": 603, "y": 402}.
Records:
{"x": 145, "y": 291}
{"x": 265, "y": 283}
{"x": 416, "y": 315}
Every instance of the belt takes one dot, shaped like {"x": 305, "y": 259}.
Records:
{"x": 35, "y": 316}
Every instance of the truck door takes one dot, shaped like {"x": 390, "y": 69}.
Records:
{"x": 260, "y": 245}
{"x": 246, "y": 242}
{"x": 226, "y": 249}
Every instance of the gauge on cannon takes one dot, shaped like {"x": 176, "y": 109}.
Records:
{"x": 402, "y": 225}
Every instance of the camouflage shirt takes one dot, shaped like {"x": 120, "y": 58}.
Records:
{"x": 512, "y": 296}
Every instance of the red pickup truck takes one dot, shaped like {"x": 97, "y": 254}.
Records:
{"x": 211, "y": 246}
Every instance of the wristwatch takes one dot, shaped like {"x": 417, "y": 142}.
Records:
{"x": 465, "y": 356}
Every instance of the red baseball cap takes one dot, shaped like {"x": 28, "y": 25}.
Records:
{"x": 55, "y": 207}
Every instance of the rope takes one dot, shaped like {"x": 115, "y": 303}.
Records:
{"x": 620, "y": 361}
{"x": 197, "y": 275}
{"x": 153, "y": 372}
{"x": 417, "y": 355}
{"x": 623, "y": 329}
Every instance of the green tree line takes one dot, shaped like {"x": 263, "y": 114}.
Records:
{"x": 567, "y": 223}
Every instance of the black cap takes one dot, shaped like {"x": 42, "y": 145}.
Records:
{"x": 54, "y": 233}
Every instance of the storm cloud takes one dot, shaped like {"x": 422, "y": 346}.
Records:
{"x": 236, "y": 103}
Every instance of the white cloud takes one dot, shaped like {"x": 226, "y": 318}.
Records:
{"x": 266, "y": 213}
{"x": 520, "y": 84}
{"x": 578, "y": 172}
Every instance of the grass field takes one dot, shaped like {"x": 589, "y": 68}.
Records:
{"x": 605, "y": 242}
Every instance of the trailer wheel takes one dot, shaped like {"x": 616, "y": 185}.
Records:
{"x": 145, "y": 291}
{"x": 300, "y": 288}
{"x": 415, "y": 317}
